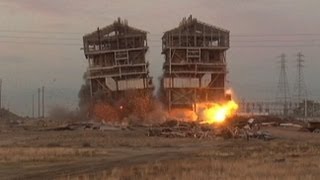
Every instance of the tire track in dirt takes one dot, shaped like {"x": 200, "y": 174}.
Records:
{"x": 97, "y": 164}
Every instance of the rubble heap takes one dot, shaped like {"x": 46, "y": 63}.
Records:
{"x": 235, "y": 129}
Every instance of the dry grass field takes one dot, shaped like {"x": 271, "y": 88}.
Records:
{"x": 253, "y": 162}
{"x": 30, "y": 153}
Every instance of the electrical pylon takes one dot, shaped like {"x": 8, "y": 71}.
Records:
{"x": 300, "y": 86}
{"x": 283, "y": 93}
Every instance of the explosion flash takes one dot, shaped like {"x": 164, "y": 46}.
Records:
{"x": 211, "y": 113}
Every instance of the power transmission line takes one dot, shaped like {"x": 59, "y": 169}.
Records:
{"x": 37, "y": 37}
{"x": 239, "y": 46}
{"x": 274, "y": 40}
{"x": 157, "y": 40}
{"x": 234, "y": 34}
{"x": 41, "y": 43}
{"x": 300, "y": 86}
{"x": 283, "y": 94}
{"x": 246, "y": 43}
{"x": 39, "y": 32}
{"x": 275, "y": 35}
{"x": 276, "y": 46}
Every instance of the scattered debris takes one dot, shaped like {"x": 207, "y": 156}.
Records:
{"x": 264, "y": 135}
{"x": 314, "y": 126}
{"x": 290, "y": 125}
{"x": 235, "y": 128}
{"x": 316, "y": 131}
{"x": 269, "y": 124}
{"x": 86, "y": 126}
{"x": 181, "y": 129}
{"x": 251, "y": 121}
{"x": 177, "y": 129}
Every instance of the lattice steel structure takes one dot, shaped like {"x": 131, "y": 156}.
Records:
{"x": 116, "y": 57}
{"x": 301, "y": 93}
{"x": 195, "y": 64}
{"x": 283, "y": 94}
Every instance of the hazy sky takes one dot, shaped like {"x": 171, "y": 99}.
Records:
{"x": 40, "y": 42}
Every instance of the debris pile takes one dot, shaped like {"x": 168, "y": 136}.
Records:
{"x": 235, "y": 128}
{"x": 87, "y": 126}
{"x": 314, "y": 126}
{"x": 181, "y": 129}
{"x": 238, "y": 129}
{"x": 251, "y": 129}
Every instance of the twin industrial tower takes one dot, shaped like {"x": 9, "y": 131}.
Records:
{"x": 194, "y": 69}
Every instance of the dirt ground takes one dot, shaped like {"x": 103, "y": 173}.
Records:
{"x": 34, "y": 153}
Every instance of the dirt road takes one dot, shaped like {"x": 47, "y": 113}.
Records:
{"x": 117, "y": 157}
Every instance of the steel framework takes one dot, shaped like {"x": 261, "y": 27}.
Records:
{"x": 195, "y": 64}
{"x": 116, "y": 57}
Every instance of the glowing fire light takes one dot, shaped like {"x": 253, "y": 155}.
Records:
{"x": 229, "y": 91}
{"x": 211, "y": 113}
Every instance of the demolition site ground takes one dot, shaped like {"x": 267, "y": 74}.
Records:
{"x": 35, "y": 150}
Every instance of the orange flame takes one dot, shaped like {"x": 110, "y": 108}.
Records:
{"x": 182, "y": 114}
{"x": 211, "y": 113}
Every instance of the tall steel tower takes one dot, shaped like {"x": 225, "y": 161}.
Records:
{"x": 283, "y": 94}
{"x": 300, "y": 86}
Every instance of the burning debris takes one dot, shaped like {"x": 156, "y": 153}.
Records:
{"x": 211, "y": 113}
{"x": 207, "y": 112}
{"x": 234, "y": 129}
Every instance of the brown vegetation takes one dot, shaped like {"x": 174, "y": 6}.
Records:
{"x": 32, "y": 152}
{"x": 42, "y": 154}
{"x": 276, "y": 160}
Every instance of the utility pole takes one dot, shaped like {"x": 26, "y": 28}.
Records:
{"x": 283, "y": 94}
{"x": 305, "y": 108}
{"x": 32, "y": 105}
{"x": 0, "y": 94}
{"x": 42, "y": 101}
{"x": 38, "y": 102}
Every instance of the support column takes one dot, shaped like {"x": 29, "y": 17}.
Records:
{"x": 32, "y": 105}
{"x": 38, "y": 102}
{"x": 169, "y": 99}
{"x": 42, "y": 101}
{"x": 170, "y": 58}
